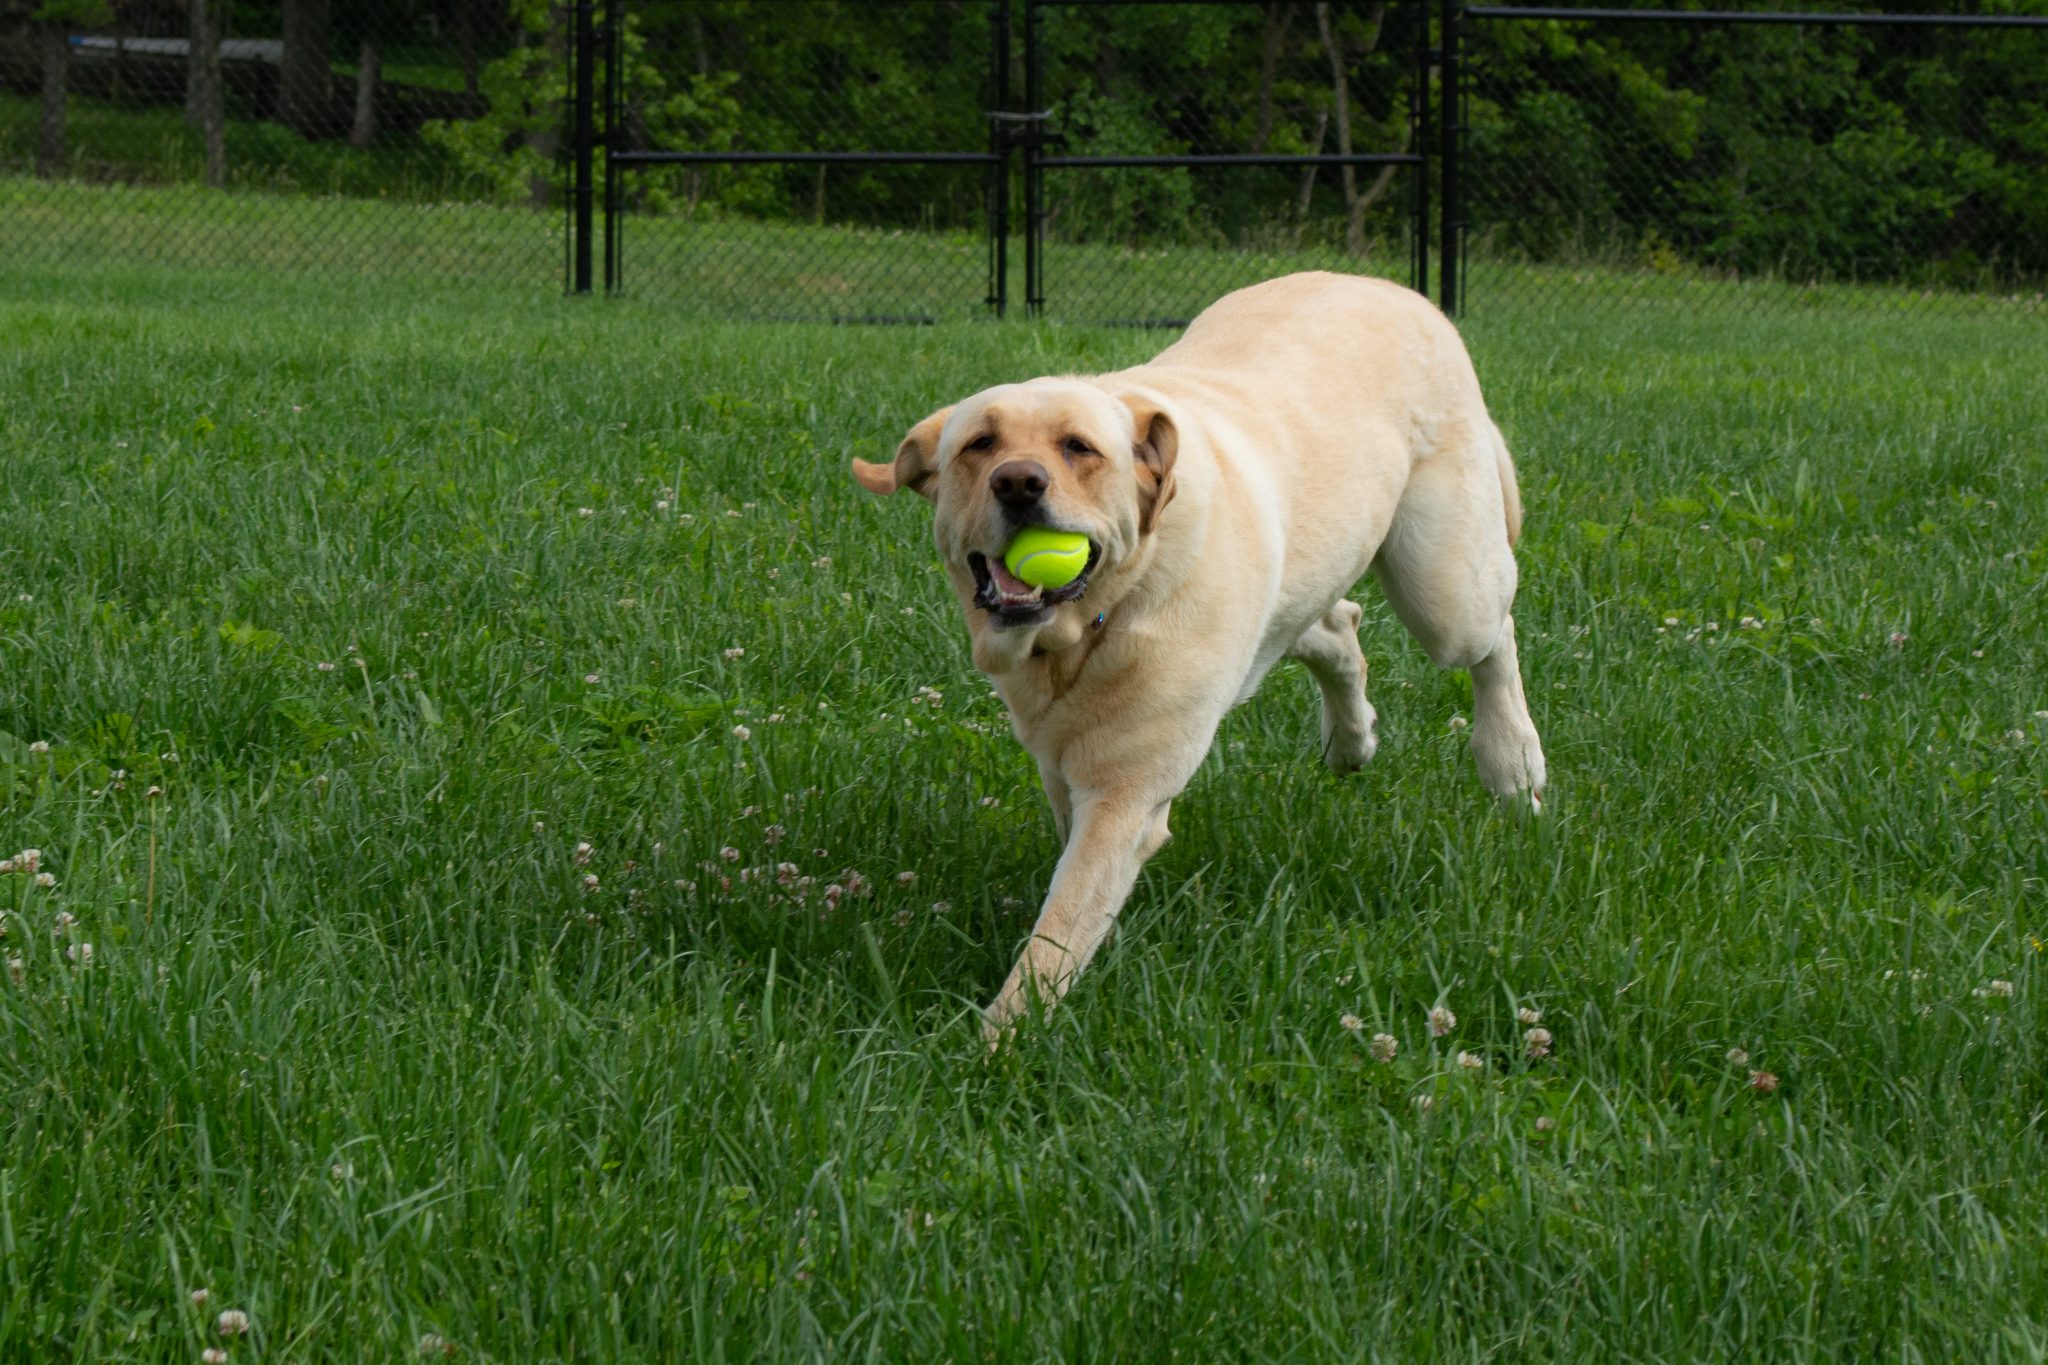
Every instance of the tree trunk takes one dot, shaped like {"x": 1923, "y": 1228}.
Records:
{"x": 362, "y": 133}
{"x": 1308, "y": 173}
{"x": 546, "y": 140}
{"x": 54, "y": 43}
{"x": 203, "y": 24}
{"x": 1278, "y": 20}
{"x": 467, "y": 22}
{"x": 1340, "y": 87}
{"x": 305, "y": 89}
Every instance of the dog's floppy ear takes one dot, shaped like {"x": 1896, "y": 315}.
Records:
{"x": 917, "y": 460}
{"x": 1153, "y": 448}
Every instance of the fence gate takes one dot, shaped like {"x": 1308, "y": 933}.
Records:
{"x": 804, "y": 159}
{"x": 858, "y": 161}
{"x": 1151, "y": 187}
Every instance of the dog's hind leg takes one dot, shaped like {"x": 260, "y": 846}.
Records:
{"x": 1449, "y": 572}
{"x": 1504, "y": 740}
{"x": 1330, "y": 649}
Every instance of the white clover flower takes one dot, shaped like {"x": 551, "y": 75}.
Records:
{"x": 1529, "y": 1015}
{"x": 742, "y": 733}
{"x": 590, "y": 679}
{"x": 200, "y": 1296}
{"x": 2000, "y": 989}
{"x": 586, "y": 512}
{"x": 736, "y": 652}
{"x": 1539, "y": 1041}
{"x": 590, "y": 882}
{"x": 583, "y": 850}
{"x": 1471, "y": 1061}
{"x": 232, "y": 1323}
{"x": 1424, "y": 1103}
{"x": 1897, "y": 639}
{"x": 1459, "y": 722}
{"x": 1739, "y": 1057}
{"x": 1546, "y": 1124}
{"x": 214, "y": 1355}
{"x": 17, "y": 970}
{"x": 1441, "y": 1021}
{"x": 1352, "y": 1022}
{"x": 906, "y": 878}
{"x": 1383, "y": 1047}
{"x": 773, "y": 834}
{"x": 1763, "y": 1082}
{"x": 325, "y": 666}
{"x": 46, "y": 880}
{"x": 41, "y": 746}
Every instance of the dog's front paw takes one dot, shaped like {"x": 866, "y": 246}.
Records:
{"x": 1349, "y": 744}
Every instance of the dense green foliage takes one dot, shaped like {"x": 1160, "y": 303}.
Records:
{"x": 1902, "y": 155}
{"x": 400, "y": 593}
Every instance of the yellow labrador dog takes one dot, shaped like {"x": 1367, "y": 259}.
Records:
{"x": 1233, "y": 490}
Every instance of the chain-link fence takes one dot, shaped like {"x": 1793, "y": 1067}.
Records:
{"x": 1120, "y": 160}
{"x": 807, "y": 159}
{"x": 366, "y": 137}
{"x": 1752, "y": 162}
{"x": 1192, "y": 149}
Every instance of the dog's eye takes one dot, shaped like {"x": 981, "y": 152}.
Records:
{"x": 1077, "y": 446}
{"x": 983, "y": 442}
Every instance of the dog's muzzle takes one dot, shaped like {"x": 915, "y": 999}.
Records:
{"x": 1011, "y": 603}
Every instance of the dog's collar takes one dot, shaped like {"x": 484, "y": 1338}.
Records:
{"x": 1100, "y": 617}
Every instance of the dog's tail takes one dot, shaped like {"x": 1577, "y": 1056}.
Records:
{"x": 1510, "y": 491}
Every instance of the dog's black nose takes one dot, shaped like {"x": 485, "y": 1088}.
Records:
{"x": 1019, "y": 483}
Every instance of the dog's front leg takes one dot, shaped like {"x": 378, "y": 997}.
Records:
{"x": 1060, "y": 798}
{"x": 1113, "y": 834}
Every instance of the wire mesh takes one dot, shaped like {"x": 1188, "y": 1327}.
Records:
{"x": 1754, "y": 167}
{"x": 1156, "y": 243}
{"x": 810, "y": 236}
{"x": 371, "y": 138}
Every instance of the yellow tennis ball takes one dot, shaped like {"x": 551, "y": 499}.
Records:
{"x": 1046, "y": 558}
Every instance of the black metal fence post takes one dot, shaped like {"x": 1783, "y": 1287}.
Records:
{"x": 1418, "y": 118}
{"x": 1451, "y": 122}
{"x": 999, "y": 147}
{"x": 614, "y": 109}
{"x": 585, "y": 137}
{"x": 1034, "y": 174}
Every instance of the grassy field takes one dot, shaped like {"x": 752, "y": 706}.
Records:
{"x": 399, "y": 593}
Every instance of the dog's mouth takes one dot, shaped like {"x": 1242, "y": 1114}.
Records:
{"x": 1011, "y": 602}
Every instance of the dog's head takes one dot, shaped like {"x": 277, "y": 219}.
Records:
{"x": 1061, "y": 453}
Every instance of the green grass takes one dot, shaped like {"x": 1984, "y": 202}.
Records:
{"x": 154, "y": 145}
{"x": 357, "y": 1051}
